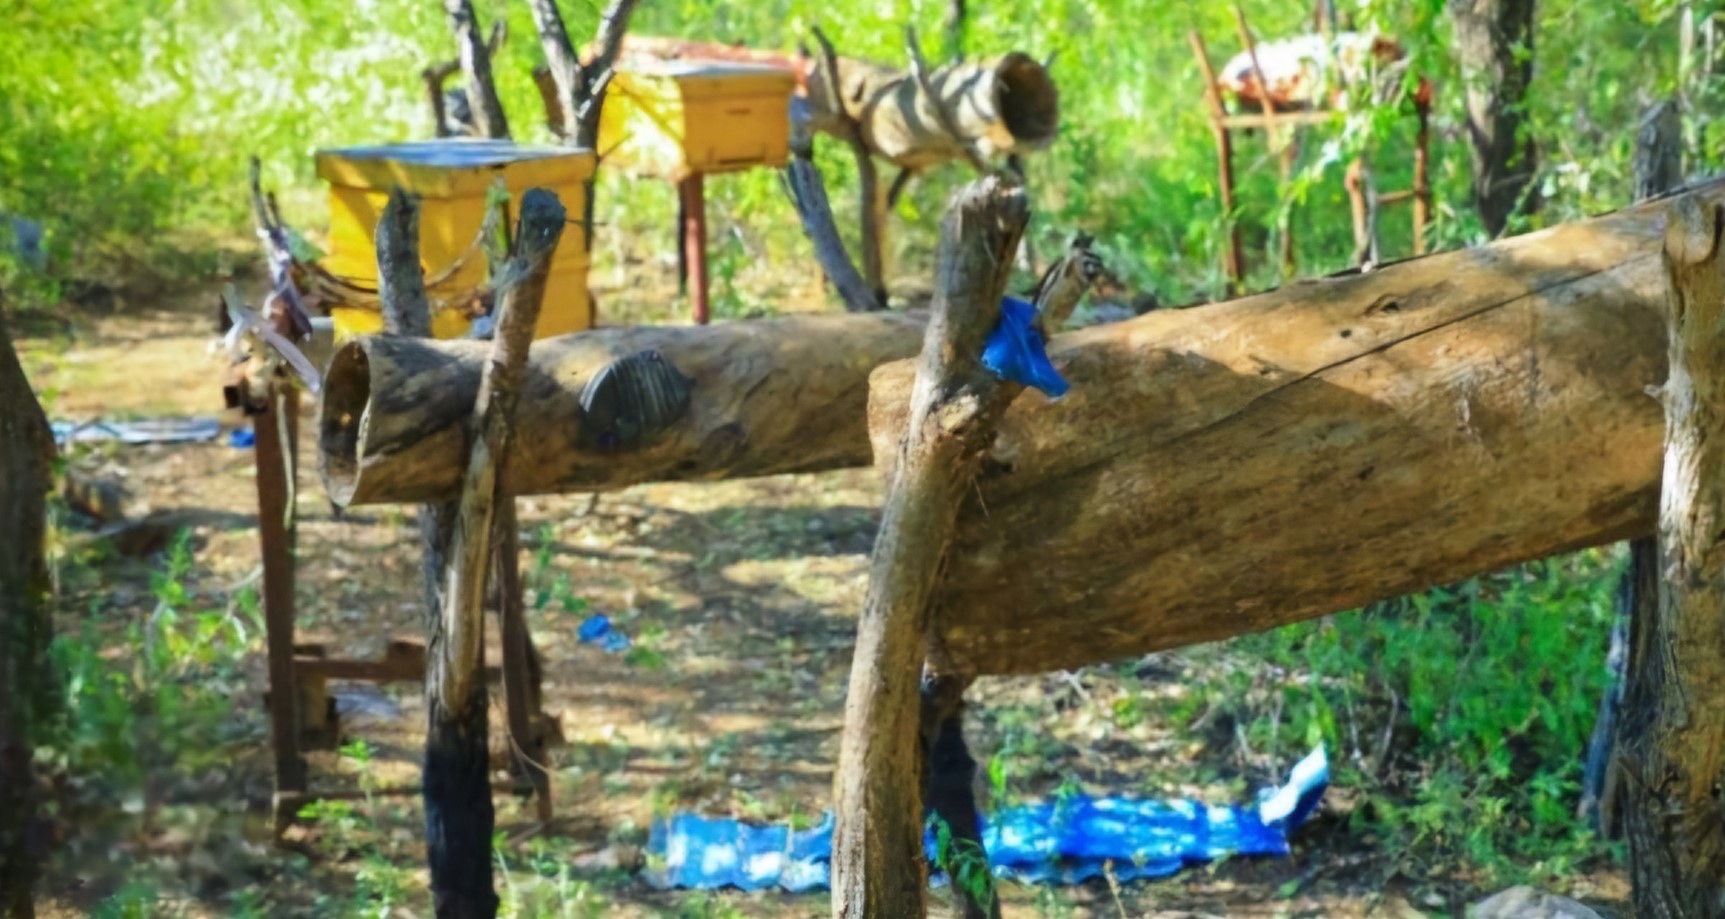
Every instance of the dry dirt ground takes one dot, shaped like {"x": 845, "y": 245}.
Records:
{"x": 740, "y": 600}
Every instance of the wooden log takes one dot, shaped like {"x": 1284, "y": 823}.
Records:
{"x": 1236, "y": 467}
{"x": 999, "y": 107}
{"x": 1673, "y": 717}
{"x": 878, "y": 868}
{"x": 770, "y": 396}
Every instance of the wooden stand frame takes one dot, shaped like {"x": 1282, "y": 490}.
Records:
{"x": 301, "y": 717}
{"x": 1364, "y": 199}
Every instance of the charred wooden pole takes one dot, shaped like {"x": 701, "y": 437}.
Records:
{"x": 457, "y": 790}
{"x": 458, "y": 807}
{"x": 26, "y": 626}
{"x": 460, "y": 885}
{"x": 878, "y": 867}
{"x": 1657, "y": 167}
{"x": 1673, "y": 720}
{"x": 488, "y": 117}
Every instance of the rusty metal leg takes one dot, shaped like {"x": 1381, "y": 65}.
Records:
{"x": 1357, "y": 202}
{"x": 1234, "y": 257}
{"x": 692, "y": 194}
{"x": 521, "y": 697}
{"x": 682, "y": 251}
{"x": 276, "y": 477}
{"x": 1422, "y": 180}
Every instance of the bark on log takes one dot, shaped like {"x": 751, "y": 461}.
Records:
{"x": 770, "y": 397}
{"x": 1240, "y": 466}
{"x": 773, "y": 396}
{"x": 878, "y": 868}
{"x": 26, "y": 686}
{"x": 1674, "y": 707}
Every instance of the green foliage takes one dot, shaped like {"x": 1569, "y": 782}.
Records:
{"x": 965, "y": 863}
{"x": 166, "y": 705}
{"x": 122, "y": 120}
{"x": 1460, "y": 715}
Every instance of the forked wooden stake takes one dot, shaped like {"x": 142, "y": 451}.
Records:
{"x": 1673, "y": 719}
{"x": 878, "y": 867}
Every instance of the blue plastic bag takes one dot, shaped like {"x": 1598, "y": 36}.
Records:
{"x": 1015, "y": 350}
{"x": 1065, "y": 841}
{"x": 597, "y": 629}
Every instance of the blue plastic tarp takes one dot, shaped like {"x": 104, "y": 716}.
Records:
{"x": 1064, "y": 841}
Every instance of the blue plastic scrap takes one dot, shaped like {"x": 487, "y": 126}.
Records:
{"x": 146, "y": 431}
{"x": 1016, "y": 351}
{"x": 1064, "y": 841}
{"x": 597, "y": 629}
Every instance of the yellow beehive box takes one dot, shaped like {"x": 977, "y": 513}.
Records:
{"x": 670, "y": 119}
{"x": 452, "y": 176}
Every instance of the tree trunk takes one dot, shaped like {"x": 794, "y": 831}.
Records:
{"x": 26, "y": 625}
{"x": 1494, "y": 39}
{"x": 1240, "y": 466}
{"x": 1673, "y": 719}
{"x": 877, "y": 863}
{"x": 488, "y": 115}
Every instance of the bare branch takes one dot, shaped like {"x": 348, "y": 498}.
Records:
{"x": 809, "y": 194}
{"x": 488, "y": 114}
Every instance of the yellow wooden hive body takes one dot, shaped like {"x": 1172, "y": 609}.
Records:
{"x": 452, "y": 176}
{"x": 672, "y": 119}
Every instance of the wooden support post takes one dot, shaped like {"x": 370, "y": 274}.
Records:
{"x": 878, "y": 865}
{"x": 1673, "y": 720}
{"x": 692, "y": 206}
{"x": 1234, "y": 255}
{"x": 1657, "y": 165}
{"x": 459, "y": 817}
{"x": 275, "y": 456}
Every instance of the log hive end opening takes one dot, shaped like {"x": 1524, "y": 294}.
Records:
{"x": 1029, "y": 103}
{"x": 342, "y": 420}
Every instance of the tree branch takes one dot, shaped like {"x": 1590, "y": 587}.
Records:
{"x": 488, "y": 115}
